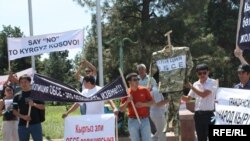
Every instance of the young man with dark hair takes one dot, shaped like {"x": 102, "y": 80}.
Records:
{"x": 142, "y": 100}
{"x": 89, "y": 69}
{"x": 96, "y": 107}
{"x": 20, "y": 109}
{"x": 203, "y": 91}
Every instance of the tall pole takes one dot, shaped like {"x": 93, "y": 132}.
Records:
{"x": 31, "y": 34}
{"x": 99, "y": 34}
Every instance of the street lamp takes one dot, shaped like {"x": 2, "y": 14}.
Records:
{"x": 121, "y": 44}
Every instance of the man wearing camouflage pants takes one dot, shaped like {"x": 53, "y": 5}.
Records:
{"x": 174, "y": 65}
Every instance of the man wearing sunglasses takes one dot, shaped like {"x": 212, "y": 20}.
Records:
{"x": 142, "y": 100}
{"x": 203, "y": 91}
{"x": 158, "y": 110}
{"x": 90, "y": 70}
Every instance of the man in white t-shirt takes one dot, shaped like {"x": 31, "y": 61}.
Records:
{"x": 89, "y": 69}
{"x": 96, "y": 107}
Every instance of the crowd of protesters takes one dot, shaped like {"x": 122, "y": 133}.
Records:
{"x": 19, "y": 123}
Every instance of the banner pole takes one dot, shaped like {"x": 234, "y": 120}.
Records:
{"x": 9, "y": 67}
{"x": 27, "y": 123}
{"x": 132, "y": 103}
{"x": 150, "y": 73}
{"x": 238, "y": 25}
{"x": 116, "y": 127}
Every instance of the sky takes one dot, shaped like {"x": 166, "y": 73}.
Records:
{"x": 49, "y": 16}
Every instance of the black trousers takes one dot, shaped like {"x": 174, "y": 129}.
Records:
{"x": 202, "y": 121}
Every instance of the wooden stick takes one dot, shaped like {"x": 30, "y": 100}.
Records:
{"x": 27, "y": 123}
{"x": 116, "y": 127}
{"x": 168, "y": 35}
{"x": 9, "y": 66}
{"x": 132, "y": 103}
{"x": 150, "y": 73}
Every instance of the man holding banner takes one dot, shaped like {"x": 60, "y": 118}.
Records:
{"x": 95, "y": 107}
{"x": 203, "y": 91}
{"x": 143, "y": 100}
{"x": 28, "y": 112}
{"x": 89, "y": 70}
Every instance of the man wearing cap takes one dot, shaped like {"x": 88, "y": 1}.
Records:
{"x": 142, "y": 99}
{"x": 203, "y": 91}
{"x": 244, "y": 76}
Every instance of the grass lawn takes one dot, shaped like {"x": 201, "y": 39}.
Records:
{"x": 53, "y": 126}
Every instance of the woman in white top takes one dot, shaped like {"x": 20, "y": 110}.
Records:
{"x": 10, "y": 122}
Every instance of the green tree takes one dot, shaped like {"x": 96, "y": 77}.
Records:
{"x": 59, "y": 67}
{"x": 208, "y": 27}
{"x": 18, "y": 64}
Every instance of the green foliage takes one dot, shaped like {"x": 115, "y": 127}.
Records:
{"x": 18, "y": 64}
{"x": 60, "y": 68}
{"x": 208, "y": 27}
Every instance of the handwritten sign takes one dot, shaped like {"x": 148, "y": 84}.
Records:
{"x": 173, "y": 63}
{"x": 90, "y": 128}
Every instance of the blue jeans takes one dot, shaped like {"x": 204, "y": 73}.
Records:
{"x": 139, "y": 132}
{"x": 34, "y": 129}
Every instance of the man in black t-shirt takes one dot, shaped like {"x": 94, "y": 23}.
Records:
{"x": 21, "y": 107}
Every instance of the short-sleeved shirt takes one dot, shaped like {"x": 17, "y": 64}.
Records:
{"x": 8, "y": 110}
{"x": 154, "y": 110}
{"x": 241, "y": 86}
{"x": 81, "y": 81}
{"x": 96, "y": 107}
{"x": 142, "y": 94}
{"x": 204, "y": 103}
{"x": 144, "y": 82}
{"x": 20, "y": 104}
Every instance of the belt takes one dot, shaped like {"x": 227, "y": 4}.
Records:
{"x": 204, "y": 112}
{"x": 139, "y": 117}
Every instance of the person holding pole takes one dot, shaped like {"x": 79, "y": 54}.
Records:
{"x": 158, "y": 110}
{"x": 28, "y": 111}
{"x": 142, "y": 100}
{"x": 95, "y": 107}
{"x": 204, "y": 92}
{"x": 90, "y": 70}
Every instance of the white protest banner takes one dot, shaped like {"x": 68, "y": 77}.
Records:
{"x": 90, "y": 128}
{"x": 35, "y": 45}
{"x": 172, "y": 63}
{"x": 232, "y": 106}
{"x": 4, "y": 78}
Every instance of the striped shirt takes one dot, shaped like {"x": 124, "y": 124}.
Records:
{"x": 206, "y": 103}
